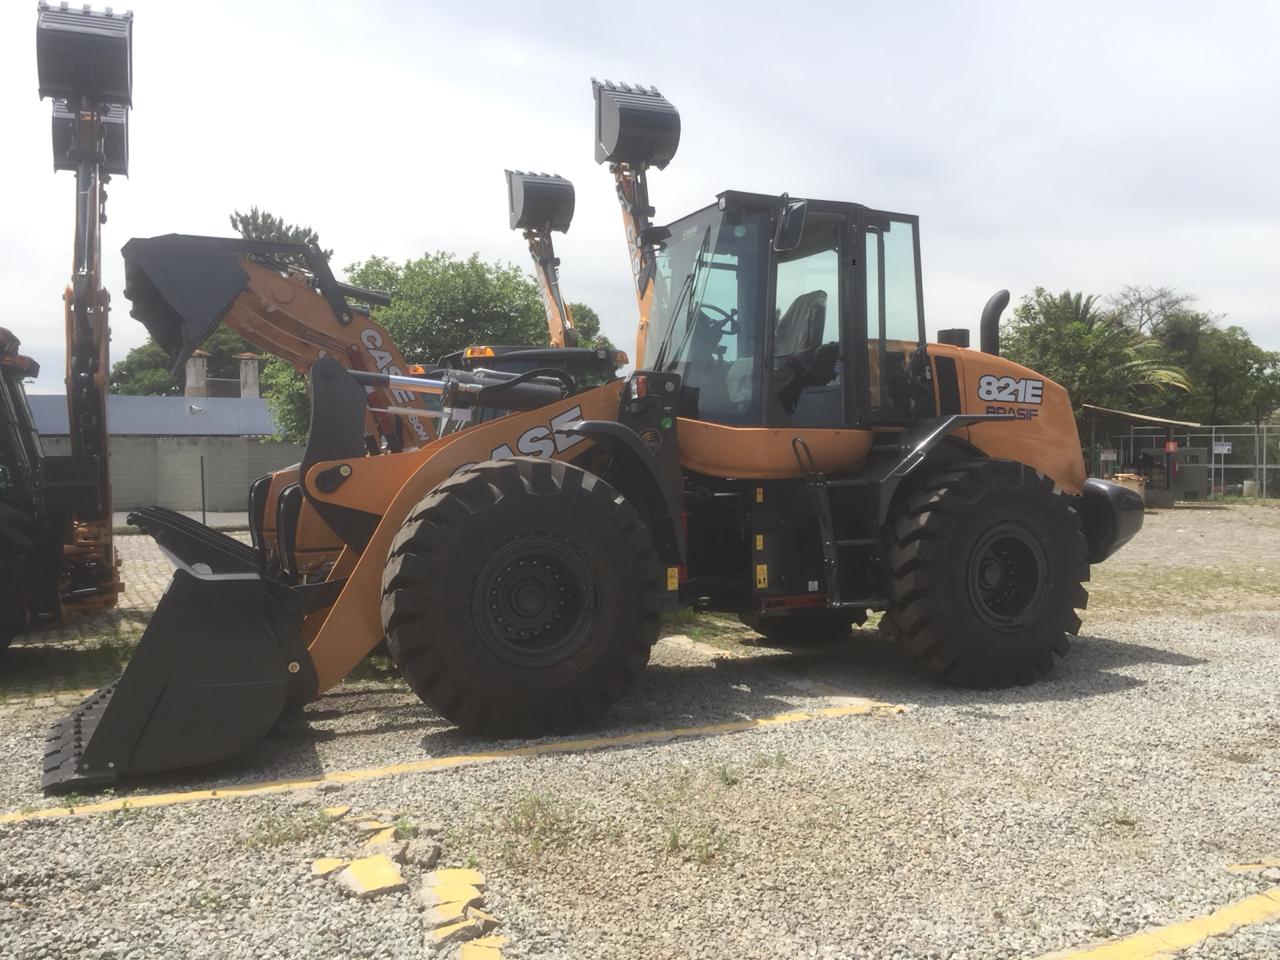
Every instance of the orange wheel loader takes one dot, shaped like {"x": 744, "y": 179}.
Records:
{"x": 789, "y": 449}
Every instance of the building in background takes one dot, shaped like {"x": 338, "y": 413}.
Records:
{"x": 166, "y": 450}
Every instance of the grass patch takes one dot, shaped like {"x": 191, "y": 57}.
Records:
{"x": 716, "y": 629}
{"x": 278, "y": 830}
{"x": 700, "y": 843}
{"x": 763, "y": 761}
{"x": 728, "y": 775}
{"x": 1183, "y": 590}
{"x": 540, "y": 821}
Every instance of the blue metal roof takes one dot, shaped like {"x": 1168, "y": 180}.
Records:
{"x": 164, "y": 416}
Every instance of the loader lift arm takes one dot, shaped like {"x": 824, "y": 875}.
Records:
{"x": 282, "y": 298}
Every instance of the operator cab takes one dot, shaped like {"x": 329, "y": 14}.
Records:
{"x": 789, "y": 313}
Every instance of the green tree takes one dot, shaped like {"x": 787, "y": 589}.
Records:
{"x": 442, "y": 303}
{"x": 263, "y": 225}
{"x": 1233, "y": 379}
{"x": 144, "y": 371}
{"x": 1090, "y": 350}
{"x": 587, "y": 322}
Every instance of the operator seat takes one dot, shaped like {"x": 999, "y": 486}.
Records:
{"x": 796, "y": 340}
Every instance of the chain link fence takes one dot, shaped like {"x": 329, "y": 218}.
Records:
{"x": 1213, "y": 461}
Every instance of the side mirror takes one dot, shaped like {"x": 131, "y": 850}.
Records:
{"x": 790, "y": 226}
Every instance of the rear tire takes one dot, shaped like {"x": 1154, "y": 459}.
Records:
{"x": 987, "y": 561}
{"x": 522, "y": 597}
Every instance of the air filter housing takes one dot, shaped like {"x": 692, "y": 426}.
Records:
{"x": 81, "y": 53}
{"x": 634, "y": 125}
{"x": 539, "y": 201}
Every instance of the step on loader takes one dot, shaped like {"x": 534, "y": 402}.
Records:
{"x": 789, "y": 449}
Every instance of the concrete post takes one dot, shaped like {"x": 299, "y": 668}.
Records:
{"x": 197, "y": 384}
{"x": 248, "y": 374}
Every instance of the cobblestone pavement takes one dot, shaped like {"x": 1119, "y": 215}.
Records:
{"x": 55, "y": 665}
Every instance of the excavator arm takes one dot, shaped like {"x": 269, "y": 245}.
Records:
{"x": 541, "y": 204}
{"x": 636, "y": 128}
{"x": 85, "y": 62}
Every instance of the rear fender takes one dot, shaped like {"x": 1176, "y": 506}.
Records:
{"x": 390, "y": 486}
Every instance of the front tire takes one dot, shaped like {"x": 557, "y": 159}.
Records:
{"x": 522, "y": 597}
{"x": 987, "y": 561}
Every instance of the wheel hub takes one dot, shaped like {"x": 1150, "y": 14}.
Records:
{"x": 1008, "y": 576}
{"x": 535, "y": 601}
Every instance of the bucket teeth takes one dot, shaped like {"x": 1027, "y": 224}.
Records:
{"x": 64, "y": 768}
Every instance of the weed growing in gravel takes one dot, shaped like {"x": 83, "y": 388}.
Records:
{"x": 376, "y": 667}
{"x": 277, "y": 830}
{"x": 709, "y": 628}
{"x": 405, "y": 828}
{"x": 728, "y": 775}
{"x": 674, "y": 842}
{"x": 540, "y": 820}
{"x": 701, "y": 843}
{"x": 124, "y": 814}
{"x": 764, "y": 760}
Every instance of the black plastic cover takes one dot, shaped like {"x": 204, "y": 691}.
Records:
{"x": 1112, "y": 515}
{"x": 82, "y": 53}
{"x": 539, "y": 201}
{"x": 634, "y": 125}
{"x": 115, "y": 138}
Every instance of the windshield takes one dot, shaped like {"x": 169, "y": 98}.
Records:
{"x": 707, "y": 311}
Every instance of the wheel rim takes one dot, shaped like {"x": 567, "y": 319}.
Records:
{"x": 535, "y": 602}
{"x": 1008, "y": 577}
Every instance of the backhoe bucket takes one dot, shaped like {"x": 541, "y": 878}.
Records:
{"x": 634, "y": 125}
{"x": 219, "y": 663}
{"x": 83, "y": 53}
{"x": 539, "y": 201}
{"x": 181, "y": 287}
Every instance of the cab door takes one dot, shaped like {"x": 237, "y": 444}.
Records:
{"x": 807, "y": 383}
{"x": 887, "y": 314}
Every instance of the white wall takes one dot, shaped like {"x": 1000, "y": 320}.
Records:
{"x": 165, "y": 471}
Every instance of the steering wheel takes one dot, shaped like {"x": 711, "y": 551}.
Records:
{"x": 727, "y": 322}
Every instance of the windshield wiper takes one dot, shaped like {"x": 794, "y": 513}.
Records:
{"x": 689, "y": 281}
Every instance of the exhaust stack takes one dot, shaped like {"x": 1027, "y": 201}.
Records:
{"x": 989, "y": 327}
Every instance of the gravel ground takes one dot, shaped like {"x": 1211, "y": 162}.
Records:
{"x": 1102, "y": 801}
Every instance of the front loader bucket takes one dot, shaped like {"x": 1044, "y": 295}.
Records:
{"x": 219, "y": 663}
{"x": 181, "y": 287}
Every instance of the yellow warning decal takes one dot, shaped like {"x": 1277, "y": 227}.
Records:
{"x": 759, "y": 494}
{"x": 759, "y": 541}
{"x": 673, "y": 578}
{"x": 762, "y": 576}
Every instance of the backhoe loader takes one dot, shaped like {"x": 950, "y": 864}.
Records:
{"x": 788, "y": 448}
{"x": 57, "y": 557}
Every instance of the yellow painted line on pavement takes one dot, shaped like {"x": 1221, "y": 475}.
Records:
{"x": 1165, "y": 941}
{"x": 448, "y": 763}
{"x": 1254, "y": 867}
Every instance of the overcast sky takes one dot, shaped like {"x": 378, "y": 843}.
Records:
{"x": 1072, "y": 145}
